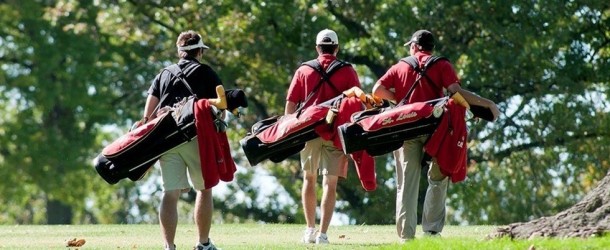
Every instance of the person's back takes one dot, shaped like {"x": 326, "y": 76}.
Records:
{"x": 201, "y": 79}
{"x": 308, "y": 87}
{"x": 402, "y": 77}
{"x": 306, "y": 80}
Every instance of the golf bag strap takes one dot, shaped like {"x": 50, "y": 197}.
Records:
{"x": 421, "y": 72}
{"x": 175, "y": 70}
{"x": 324, "y": 76}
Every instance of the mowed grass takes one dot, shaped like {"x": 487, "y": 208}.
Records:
{"x": 272, "y": 236}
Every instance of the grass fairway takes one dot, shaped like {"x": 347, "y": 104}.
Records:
{"x": 271, "y": 236}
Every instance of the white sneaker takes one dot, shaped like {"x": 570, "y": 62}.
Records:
{"x": 210, "y": 246}
{"x": 322, "y": 239}
{"x": 309, "y": 235}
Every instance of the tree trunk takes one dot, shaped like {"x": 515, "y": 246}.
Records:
{"x": 590, "y": 217}
{"x": 58, "y": 213}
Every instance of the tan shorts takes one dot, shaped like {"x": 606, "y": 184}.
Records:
{"x": 322, "y": 156}
{"x": 181, "y": 164}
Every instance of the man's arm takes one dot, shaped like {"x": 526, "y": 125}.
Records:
{"x": 149, "y": 107}
{"x": 380, "y": 91}
{"x": 151, "y": 104}
{"x": 290, "y": 107}
{"x": 474, "y": 99}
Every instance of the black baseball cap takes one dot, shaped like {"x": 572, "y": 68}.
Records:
{"x": 423, "y": 38}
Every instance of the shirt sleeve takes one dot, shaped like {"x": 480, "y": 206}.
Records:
{"x": 295, "y": 91}
{"x": 155, "y": 87}
{"x": 388, "y": 79}
{"x": 353, "y": 78}
{"x": 449, "y": 76}
{"x": 210, "y": 80}
{"x": 211, "y": 74}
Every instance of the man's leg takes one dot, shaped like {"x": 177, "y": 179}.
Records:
{"x": 408, "y": 169}
{"x": 308, "y": 198}
{"x": 204, "y": 208}
{"x": 329, "y": 197}
{"x": 333, "y": 164}
{"x": 204, "y": 203}
{"x": 168, "y": 216}
{"x": 433, "y": 217}
{"x": 310, "y": 158}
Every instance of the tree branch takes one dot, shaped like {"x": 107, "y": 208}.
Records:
{"x": 151, "y": 17}
{"x": 351, "y": 25}
{"x": 359, "y": 31}
{"x": 373, "y": 65}
{"x": 260, "y": 107}
{"x": 527, "y": 146}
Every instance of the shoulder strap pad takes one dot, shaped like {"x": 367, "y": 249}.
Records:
{"x": 332, "y": 68}
{"x": 335, "y": 65}
{"x": 175, "y": 70}
{"x": 412, "y": 62}
{"x": 415, "y": 64}
{"x": 314, "y": 64}
{"x": 434, "y": 59}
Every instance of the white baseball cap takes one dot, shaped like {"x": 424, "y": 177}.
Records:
{"x": 327, "y": 37}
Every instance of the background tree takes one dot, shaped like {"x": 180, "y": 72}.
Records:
{"x": 74, "y": 70}
{"x": 64, "y": 78}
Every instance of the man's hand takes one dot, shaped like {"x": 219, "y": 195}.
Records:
{"x": 373, "y": 101}
{"x": 138, "y": 124}
{"x": 144, "y": 120}
{"x": 355, "y": 91}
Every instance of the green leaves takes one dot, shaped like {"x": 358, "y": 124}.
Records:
{"x": 70, "y": 70}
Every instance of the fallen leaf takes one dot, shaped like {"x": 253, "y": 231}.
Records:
{"x": 75, "y": 242}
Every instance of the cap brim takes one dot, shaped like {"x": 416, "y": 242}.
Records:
{"x": 408, "y": 43}
{"x": 194, "y": 46}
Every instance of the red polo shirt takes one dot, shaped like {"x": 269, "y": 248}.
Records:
{"x": 401, "y": 76}
{"x": 306, "y": 78}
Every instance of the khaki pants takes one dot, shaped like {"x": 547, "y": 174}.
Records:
{"x": 408, "y": 170}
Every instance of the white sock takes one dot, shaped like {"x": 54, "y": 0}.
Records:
{"x": 323, "y": 236}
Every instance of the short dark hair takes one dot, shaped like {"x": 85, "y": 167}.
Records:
{"x": 328, "y": 49}
{"x": 186, "y": 38}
